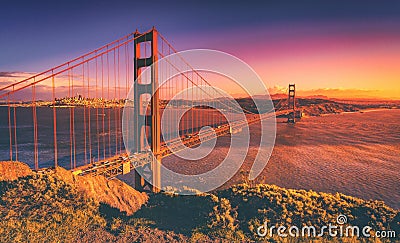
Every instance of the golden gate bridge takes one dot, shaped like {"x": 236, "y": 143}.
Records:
{"x": 83, "y": 130}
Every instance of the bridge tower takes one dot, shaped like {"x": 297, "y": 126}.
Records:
{"x": 292, "y": 103}
{"x": 147, "y": 120}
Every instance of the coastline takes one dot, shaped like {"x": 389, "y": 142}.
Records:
{"x": 366, "y": 110}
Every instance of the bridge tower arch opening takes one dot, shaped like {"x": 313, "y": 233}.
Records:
{"x": 147, "y": 177}
{"x": 292, "y": 103}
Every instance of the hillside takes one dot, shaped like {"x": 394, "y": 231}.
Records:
{"x": 255, "y": 204}
{"x": 115, "y": 193}
{"x": 235, "y": 214}
{"x": 55, "y": 206}
{"x": 317, "y": 107}
{"x": 42, "y": 208}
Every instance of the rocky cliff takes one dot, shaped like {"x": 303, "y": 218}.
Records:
{"x": 114, "y": 193}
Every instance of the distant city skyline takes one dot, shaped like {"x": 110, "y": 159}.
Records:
{"x": 351, "y": 49}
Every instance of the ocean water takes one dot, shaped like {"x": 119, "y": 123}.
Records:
{"x": 99, "y": 138}
{"x": 353, "y": 153}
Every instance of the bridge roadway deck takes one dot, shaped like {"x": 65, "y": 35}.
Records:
{"x": 124, "y": 163}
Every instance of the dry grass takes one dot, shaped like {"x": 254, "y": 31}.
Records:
{"x": 12, "y": 170}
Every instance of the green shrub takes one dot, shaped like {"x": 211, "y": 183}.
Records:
{"x": 256, "y": 204}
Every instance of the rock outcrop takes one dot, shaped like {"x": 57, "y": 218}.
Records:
{"x": 114, "y": 193}
{"x": 12, "y": 170}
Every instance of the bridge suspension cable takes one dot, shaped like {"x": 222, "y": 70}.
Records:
{"x": 199, "y": 75}
{"x": 68, "y": 63}
{"x": 74, "y": 111}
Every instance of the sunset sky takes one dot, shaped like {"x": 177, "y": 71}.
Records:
{"x": 334, "y": 48}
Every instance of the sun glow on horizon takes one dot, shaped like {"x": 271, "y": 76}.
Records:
{"x": 229, "y": 86}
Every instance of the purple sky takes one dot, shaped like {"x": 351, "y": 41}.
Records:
{"x": 294, "y": 41}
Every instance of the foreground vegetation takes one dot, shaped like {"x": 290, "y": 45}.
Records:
{"x": 41, "y": 208}
{"x": 44, "y": 208}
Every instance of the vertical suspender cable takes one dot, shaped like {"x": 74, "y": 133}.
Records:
{"x": 73, "y": 119}
{"x": 15, "y": 129}
{"x": 70, "y": 122}
{"x": 35, "y": 138}
{"x": 89, "y": 118}
{"x": 54, "y": 122}
{"x": 10, "y": 127}
{"x": 103, "y": 105}
{"x": 97, "y": 103}
{"x": 84, "y": 110}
